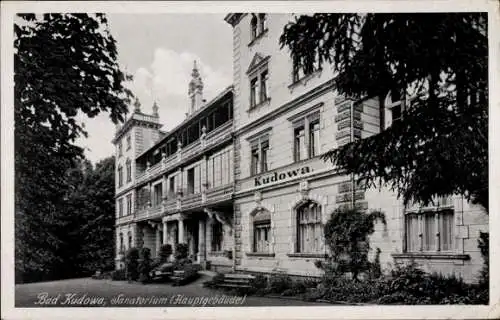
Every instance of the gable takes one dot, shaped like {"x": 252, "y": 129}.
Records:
{"x": 258, "y": 60}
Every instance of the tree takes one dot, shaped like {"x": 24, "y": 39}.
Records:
{"x": 440, "y": 146}
{"x": 64, "y": 64}
{"x": 95, "y": 231}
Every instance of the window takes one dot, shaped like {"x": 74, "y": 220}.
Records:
{"x": 300, "y": 71}
{"x": 259, "y": 154}
{"x": 258, "y": 75}
{"x": 299, "y": 143}
{"x": 129, "y": 204}
{"x": 158, "y": 194}
{"x": 129, "y": 170}
{"x": 262, "y": 232}
{"x": 121, "y": 245}
{"x": 216, "y": 240}
{"x": 253, "y": 92}
{"x": 306, "y": 136}
{"x": 262, "y": 23}
{"x": 253, "y": 27}
{"x": 220, "y": 169}
{"x": 120, "y": 176}
{"x": 171, "y": 187}
{"x": 395, "y": 107}
{"x": 309, "y": 228}
{"x": 120, "y": 149}
{"x": 129, "y": 143}
{"x": 254, "y": 169}
{"x": 120, "y": 207}
{"x": 430, "y": 229}
{"x": 258, "y": 25}
{"x": 190, "y": 181}
{"x": 264, "y": 77}
{"x": 129, "y": 239}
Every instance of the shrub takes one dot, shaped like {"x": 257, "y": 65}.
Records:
{"x": 181, "y": 251}
{"x": 483, "y": 245}
{"x": 279, "y": 282}
{"x": 131, "y": 264}
{"x": 118, "y": 275}
{"x": 145, "y": 265}
{"x": 346, "y": 234}
{"x": 164, "y": 253}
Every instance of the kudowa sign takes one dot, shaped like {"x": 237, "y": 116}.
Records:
{"x": 280, "y": 176}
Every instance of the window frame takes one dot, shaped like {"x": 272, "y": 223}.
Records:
{"x": 305, "y": 124}
{"x": 258, "y": 164}
{"x": 316, "y": 224}
{"x": 258, "y": 226}
{"x": 128, "y": 166}
{"x": 120, "y": 176}
{"x": 420, "y": 239}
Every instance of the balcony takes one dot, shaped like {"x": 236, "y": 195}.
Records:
{"x": 186, "y": 153}
{"x": 219, "y": 134}
{"x": 191, "y": 201}
{"x": 220, "y": 194}
{"x": 149, "y": 213}
{"x": 124, "y": 219}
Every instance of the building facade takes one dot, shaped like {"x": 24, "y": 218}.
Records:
{"x": 241, "y": 180}
{"x": 181, "y": 186}
{"x": 284, "y": 119}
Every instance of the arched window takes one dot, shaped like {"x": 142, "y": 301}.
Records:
{"x": 253, "y": 27}
{"x": 261, "y": 231}
{"x": 309, "y": 228}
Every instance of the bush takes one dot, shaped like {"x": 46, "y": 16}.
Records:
{"x": 118, "y": 275}
{"x": 279, "y": 282}
{"x": 181, "y": 251}
{"x": 164, "y": 253}
{"x": 347, "y": 236}
{"x": 483, "y": 245}
{"x": 145, "y": 265}
{"x": 132, "y": 264}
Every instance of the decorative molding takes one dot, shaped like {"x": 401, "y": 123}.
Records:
{"x": 431, "y": 255}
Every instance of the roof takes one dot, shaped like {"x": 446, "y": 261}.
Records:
{"x": 187, "y": 120}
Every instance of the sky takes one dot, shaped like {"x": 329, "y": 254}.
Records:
{"x": 159, "y": 51}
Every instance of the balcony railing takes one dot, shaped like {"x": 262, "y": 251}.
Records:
{"x": 191, "y": 201}
{"x": 125, "y": 219}
{"x": 148, "y": 213}
{"x": 218, "y": 134}
{"x": 212, "y": 138}
{"x": 221, "y": 193}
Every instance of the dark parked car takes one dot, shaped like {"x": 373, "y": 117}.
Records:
{"x": 162, "y": 272}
